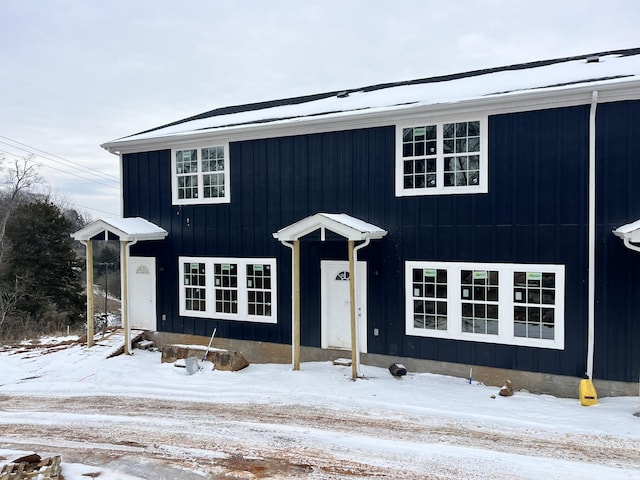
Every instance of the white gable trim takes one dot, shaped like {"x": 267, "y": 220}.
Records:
{"x": 345, "y": 225}
{"x": 126, "y": 229}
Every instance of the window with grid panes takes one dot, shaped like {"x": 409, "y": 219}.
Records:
{"x": 201, "y": 175}
{"x": 213, "y": 172}
{"x": 461, "y": 150}
{"x": 430, "y": 298}
{"x": 479, "y": 294}
{"x": 419, "y": 149}
{"x": 442, "y": 158}
{"x": 242, "y": 289}
{"x": 259, "y": 289}
{"x": 187, "y": 173}
{"x": 194, "y": 281}
{"x": 225, "y": 281}
{"x": 534, "y": 297}
{"x": 500, "y": 303}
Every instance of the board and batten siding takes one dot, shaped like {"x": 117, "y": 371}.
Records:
{"x": 274, "y": 182}
{"x": 617, "y": 326}
{"x": 536, "y": 211}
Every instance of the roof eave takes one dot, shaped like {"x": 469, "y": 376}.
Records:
{"x": 321, "y": 221}
{"x": 535, "y": 99}
{"x": 100, "y": 227}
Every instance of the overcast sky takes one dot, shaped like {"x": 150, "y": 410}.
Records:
{"x": 77, "y": 73}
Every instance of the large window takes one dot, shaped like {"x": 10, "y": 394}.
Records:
{"x": 496, "y": 303}
{"x": 436, "y": 158}
{"x": 228, "y": 288}
{"x": 200, "y": 175}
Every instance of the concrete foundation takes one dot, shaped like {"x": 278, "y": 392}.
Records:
{"x": 264, "y": 352}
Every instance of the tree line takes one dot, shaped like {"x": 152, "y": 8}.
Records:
{"x": 41, "y": 267}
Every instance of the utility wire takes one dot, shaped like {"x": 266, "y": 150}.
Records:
{"x": 97, "y": 172}
{"x": 90, "y": 208}
{"x": 66, "y": 172}
{"x": 74, "y": 204}
{"x": 54, "y": 158}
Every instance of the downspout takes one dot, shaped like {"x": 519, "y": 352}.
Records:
{"x": 631, "y": 246}
{"x": 124, "y": 282}
{"x": 359, "y": 311}
{"x": 293, "y": 302}
{"x": 592, "y": 234}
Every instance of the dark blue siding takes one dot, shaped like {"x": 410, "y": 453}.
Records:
{"x": 274, "y": 182}
{"x": 537, "y": 162}
{"x": 617, "y": 349}
{"x": 535, "y": 212}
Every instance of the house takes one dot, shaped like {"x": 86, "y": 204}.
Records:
{"x": 453, "y": 222}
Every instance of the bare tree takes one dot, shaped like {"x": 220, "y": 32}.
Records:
{"x": 19, "y": 177}
{"x": 9, "y": 298}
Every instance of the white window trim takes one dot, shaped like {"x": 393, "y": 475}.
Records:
{"x": 242, "y": 314}
{"x": 201, "y": 199}
{"x": 440, "y": 189}
{"x": 505, "y": 304}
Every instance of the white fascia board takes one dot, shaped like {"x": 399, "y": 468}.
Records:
{"x": 358, "y": 227}
{"x": 630, "y": 231}
{"x": 97, "y": 228}
{"x": 126, "y": 229}
{"x": 342, "y": 224}
{"x": 510, "y": 102}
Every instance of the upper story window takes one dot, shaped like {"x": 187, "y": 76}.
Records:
{"x": 493, "y": 303}
{"x": 439, "y": 158}
{"x": 200, "y": 175}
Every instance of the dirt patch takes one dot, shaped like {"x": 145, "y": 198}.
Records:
{"x": 252, "y": 441}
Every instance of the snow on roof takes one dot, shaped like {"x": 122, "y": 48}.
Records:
{"x": 354, "y": 223}
{"x": 345, "y": 225}
{"x": 565, "y": 73}
{"x": 126, "y": 229}
{"x": 630, "y": 231}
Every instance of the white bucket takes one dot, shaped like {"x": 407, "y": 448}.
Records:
{"x": 192, "y": 365}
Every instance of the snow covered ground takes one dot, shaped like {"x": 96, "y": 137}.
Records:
{"x": 133, "y": 417}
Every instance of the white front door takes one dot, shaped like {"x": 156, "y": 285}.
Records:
{"x": 336, "y": 305}
{"x": 142, "y": 293}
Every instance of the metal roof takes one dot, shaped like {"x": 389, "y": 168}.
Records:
{"x": 126, "y": 229}
{"x": 630, "y": 231}
{"x": 345, "y": 225}
{"x": 567, "y": 73}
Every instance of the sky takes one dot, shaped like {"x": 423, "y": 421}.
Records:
{"x": 75, "y": 74}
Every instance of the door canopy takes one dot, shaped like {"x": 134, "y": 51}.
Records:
{"x": 128, "y": 231}
{"x": 124, "y": 229}
{"x": 352, "y": 229}
{"x": 345, "y": 225}
{"x": 630, "y": 235}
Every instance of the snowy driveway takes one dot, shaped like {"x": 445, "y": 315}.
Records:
{"x": 148, "y": 420}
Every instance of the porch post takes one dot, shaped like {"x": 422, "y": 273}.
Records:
{"x": 125, "y": 297}
{"x": 352, "y": 300}
{"x": 90, "y": 319}
{"x": 295, "y": 334}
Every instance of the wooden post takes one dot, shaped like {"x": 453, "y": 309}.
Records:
{"x": 295, "y": 339}
{"x": 125, "y": 296}
{"x": 352, "y": 300}
{"x": 90, "y": 319}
